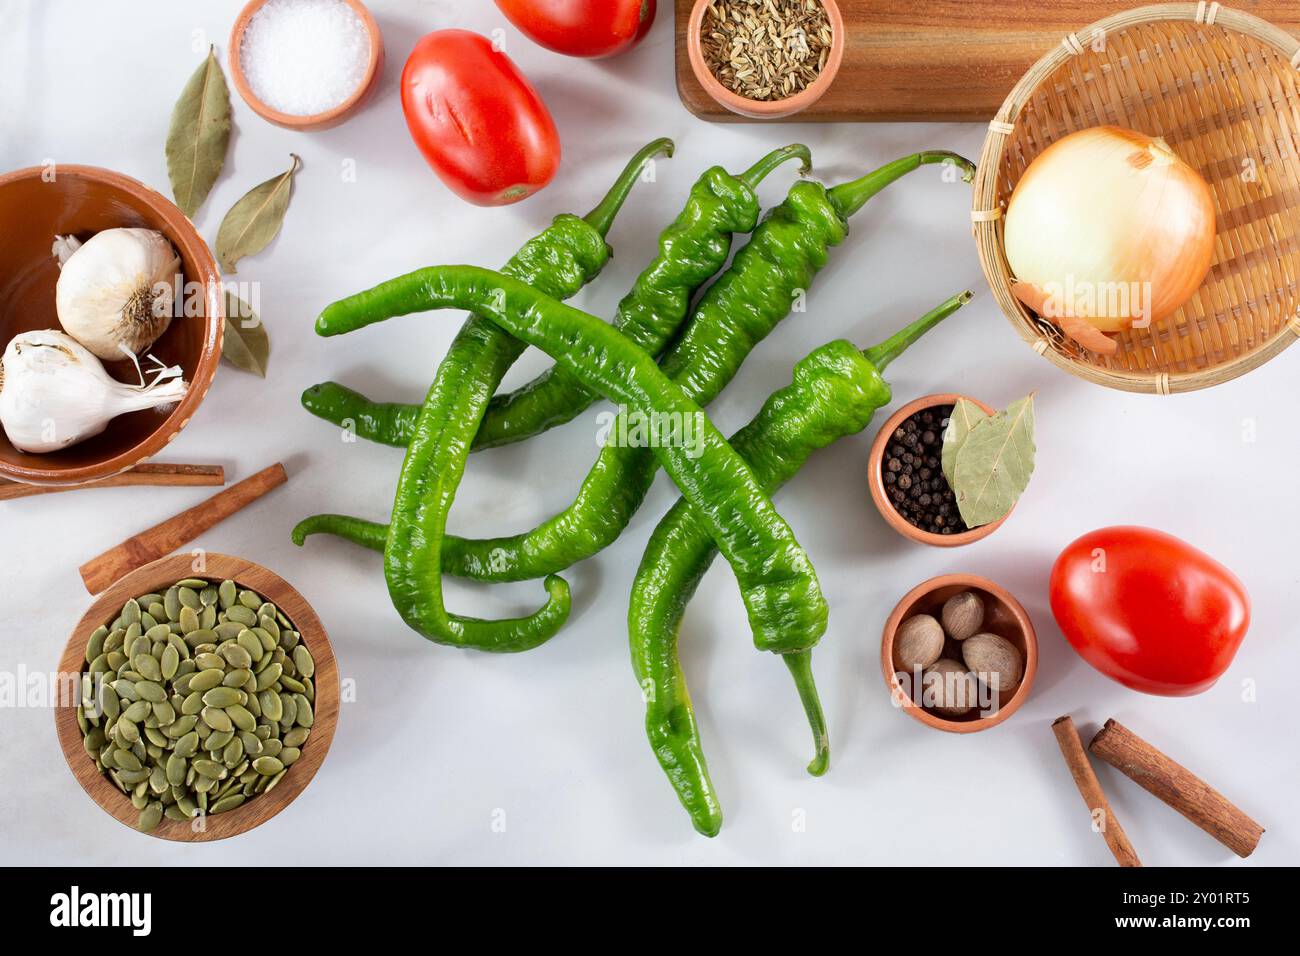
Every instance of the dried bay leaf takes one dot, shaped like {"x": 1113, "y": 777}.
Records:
{"x": 198, "y": 135}
{"x": 965, "y": 414}
{"x": 245, "y": 343}
{"x": 254, "y": 220}
{"x": 994, "y": 463}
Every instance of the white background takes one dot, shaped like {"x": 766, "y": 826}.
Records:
{"x": 440, "y": 742}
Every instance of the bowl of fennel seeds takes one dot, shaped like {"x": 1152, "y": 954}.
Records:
{"x": 765, "y": 59}
{"x": 196, "y": 705}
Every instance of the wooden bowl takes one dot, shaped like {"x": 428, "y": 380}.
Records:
{"x": 39, "y": 202}
{"x": 876, "y": 478}
{"x": 1221, "y": 87}
{"x": 1003, "y": 615}
{"x": 764, "y": 109}
{"x": 315, "y": 121}
{"x": 164, "y": 573}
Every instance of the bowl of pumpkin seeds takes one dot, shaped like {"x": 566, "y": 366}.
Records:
{"x": 199, "y": 697}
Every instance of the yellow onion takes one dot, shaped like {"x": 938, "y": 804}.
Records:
{"x": 1108, "y": 229}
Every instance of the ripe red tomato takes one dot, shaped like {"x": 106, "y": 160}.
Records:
{"x": 591, "y": 28}
{"x": 1149, "y": 610}
{"x": 477, "y": 120}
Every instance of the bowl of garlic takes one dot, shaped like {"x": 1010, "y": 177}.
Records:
{"x": 111, "y": 322}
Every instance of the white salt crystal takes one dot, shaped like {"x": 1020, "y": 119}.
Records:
{"x": 304, "y": 57}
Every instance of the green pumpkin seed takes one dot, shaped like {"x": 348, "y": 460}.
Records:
{"x": 150, "y": 691}
{"x": 302, "y": 660}
{"x": 189, "y": 620}
{"x": 206, "y": 679}
{"x": 233, "y": 753}
{"x": 215, "y": 718}
{"x": 164, "y": 713}
{"x": 241, "y": 717}
{"x": 131, "y": 612}
{"x": 169, "y": 662}
{"x": 176, "y": 770}
{"x": 270, "y": 748}
{"x": 227, "y": 631}
{"x": 236, "y": 655}
{"x": 138, "y": 711}
{"x": 252, "y": 644}
{"x": 150, "y": 817}
{"x": 114, "y": 640}
{"x": 217, "y": 740}
{"x": 242, "y": 615}
{"x": 208, "y": 768}
{"x": 289, "y": 755}
{"x": 208, "y": 595}
{"x": 221, "y": 697}
{"x": 268, "y": 623}
{"x": 193, "y": 703}
{"x": 95, "y": 645}
{"x": 269, "y": 701}
{"x": 172, "y": 603}
{"x": 228, "y": 802}
{"x": 126, "y": 760}
{"x": 269, "y": 676}
{"x": 158, "y": 633}
{"x": 268, "y": 766}
{"x": 188, "y": 596}
{"x": 250, "y": 600}
{"x": 147, "y": 666}
{"x": 157, "y": 741}
{"x": 187, "y": 746}
{"x": 227, "y": 594}
{"x": 297, "y": 737}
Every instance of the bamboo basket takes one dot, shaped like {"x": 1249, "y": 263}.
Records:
{"x": 1221, "y": 87}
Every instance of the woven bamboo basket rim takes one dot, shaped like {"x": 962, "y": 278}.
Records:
{"x": 988, "y": 205}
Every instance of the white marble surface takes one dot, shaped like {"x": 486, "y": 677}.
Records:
{"x": 440, "y": 746}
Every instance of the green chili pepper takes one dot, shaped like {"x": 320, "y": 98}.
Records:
{"x": 691, "y": 250}
{"x": 835, "y": 391}
{"x": 759, "y": 290}
{"x": 561, "y": 260}
{"x": 787, "y": 611}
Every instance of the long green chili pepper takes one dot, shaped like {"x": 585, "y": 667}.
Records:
{"x": 759, "y": 290}
{"x": 835, "y": 391}
{"x": 786, "y": 609}
{"x": 691, "y": 250}
{"x": 561, "y": 261}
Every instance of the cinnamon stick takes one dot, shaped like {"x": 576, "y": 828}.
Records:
{"x": 162, "y": 539}
{"x": 149, "y": 474}
{"x": 1067, "y": 737}
{"x": 1178, "y": 787}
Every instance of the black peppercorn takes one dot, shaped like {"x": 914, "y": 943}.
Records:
{"x": 913, "y": 473}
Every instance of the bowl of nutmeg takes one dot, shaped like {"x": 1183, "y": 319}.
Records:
{"x": 959, "y": 653}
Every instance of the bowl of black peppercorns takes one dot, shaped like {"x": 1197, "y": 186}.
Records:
{"x": 905, "y": 474}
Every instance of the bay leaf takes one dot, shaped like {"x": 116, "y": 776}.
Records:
{"x": 994, "y": 464}
{"x": 198, "y": 136}
{"x": 254, "y": 220}
{"x": 245, "y": 344}
{"x": 965, "y": 414}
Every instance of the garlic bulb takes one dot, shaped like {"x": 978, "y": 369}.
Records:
{"x": 116, "y": 289}
{"x": 54, "y": 393}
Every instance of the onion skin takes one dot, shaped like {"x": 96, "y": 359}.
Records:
{"x": 1110, "y": 227}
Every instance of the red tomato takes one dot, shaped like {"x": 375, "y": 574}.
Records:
{"x": 1149, "y": 610}
{"x": 591, "y": 28}
{"x": 477, "y": 120}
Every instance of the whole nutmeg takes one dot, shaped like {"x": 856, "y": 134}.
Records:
{"x": 918, "y": 643}
{"x": 994, "y": 660}
{"x": 948, "y": 688}
{"x": 963, "y": 615}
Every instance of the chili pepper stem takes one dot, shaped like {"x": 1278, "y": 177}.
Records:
{"x": 800, "y": 665}
{"x": 849, "y": 197}
{"x": 602, "y": 217}
{"x": 758, "y": 172}
{"x": 894, "y": 346}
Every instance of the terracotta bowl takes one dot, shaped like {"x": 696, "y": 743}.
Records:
{"x": 764, "y": 109}
{"x": 876, "y": 479}
{"x": 1003, "y": 615}
{"x": 316, "y": 121}
{"x": 256, "y": 810}
{"x": 39, "y": 202}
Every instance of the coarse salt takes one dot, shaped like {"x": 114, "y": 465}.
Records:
{"x": 304, "y": 57}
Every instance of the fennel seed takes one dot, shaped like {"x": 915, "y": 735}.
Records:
{"x": 766, "y": 49}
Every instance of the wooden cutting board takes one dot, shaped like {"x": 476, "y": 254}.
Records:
{"x": 940, "y": 60}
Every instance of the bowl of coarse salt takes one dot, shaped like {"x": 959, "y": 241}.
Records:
{"x": 305, "y": 64}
